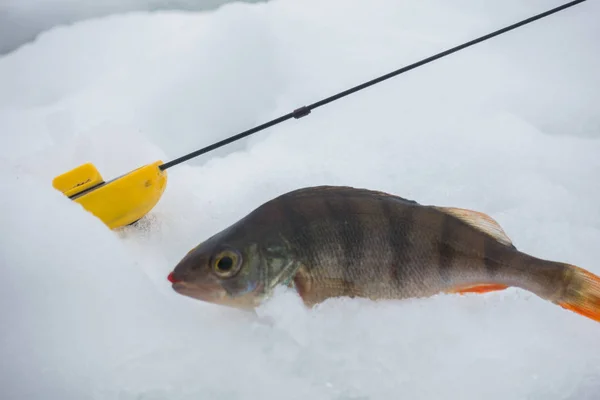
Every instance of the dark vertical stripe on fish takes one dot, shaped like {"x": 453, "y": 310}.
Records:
{"x": 494, "y": 254}
{"x": 447, "y": 253}
{"x": 399, "y": 228}
{"x": 298, "y": 223}
{"x": 350, "y": 234}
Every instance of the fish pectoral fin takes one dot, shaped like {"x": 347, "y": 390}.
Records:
{"x": 313, "y": 292}
{"x": 481, "y": 221}
{"x": 477, "y": 288}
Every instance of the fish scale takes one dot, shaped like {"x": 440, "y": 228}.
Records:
{"x": 336, "y": 241}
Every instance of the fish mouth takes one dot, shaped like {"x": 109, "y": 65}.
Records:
{"x": 171, "y": 278}
{"x": 201, "y": 291}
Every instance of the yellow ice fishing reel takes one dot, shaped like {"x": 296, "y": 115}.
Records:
{"x": 118, "y": 202}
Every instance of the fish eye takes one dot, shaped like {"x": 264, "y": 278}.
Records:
{"x": 227, "y": 263}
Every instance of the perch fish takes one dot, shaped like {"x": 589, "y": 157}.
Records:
{"x": 335, "y": 241}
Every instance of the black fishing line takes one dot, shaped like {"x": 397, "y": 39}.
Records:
{"x": 306, "y": 110}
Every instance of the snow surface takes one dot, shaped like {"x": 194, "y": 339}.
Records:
{"x": 509, "y": 127}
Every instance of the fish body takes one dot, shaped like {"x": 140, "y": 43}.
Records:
{"x": 335, "y": 241}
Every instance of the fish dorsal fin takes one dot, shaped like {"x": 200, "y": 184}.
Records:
{"x": 481, "y": 221}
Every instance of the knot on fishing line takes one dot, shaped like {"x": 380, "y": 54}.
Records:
{"x": 301, "y": 112}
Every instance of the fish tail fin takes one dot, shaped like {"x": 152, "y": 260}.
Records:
{"x": 581, "y": 292}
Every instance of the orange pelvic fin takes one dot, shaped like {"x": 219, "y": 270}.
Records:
{"x": 583, "y": 293}
{"x": 478, "y": 288}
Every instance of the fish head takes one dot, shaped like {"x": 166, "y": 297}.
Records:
{"x": 236, "y": 268}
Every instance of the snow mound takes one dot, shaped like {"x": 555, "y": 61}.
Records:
{"x": 21, "y": 21}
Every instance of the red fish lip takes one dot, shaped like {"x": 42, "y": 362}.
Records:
{"x": 172, "y": 279}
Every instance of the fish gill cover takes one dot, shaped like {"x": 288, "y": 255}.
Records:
{"x": 507, "y": 127}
